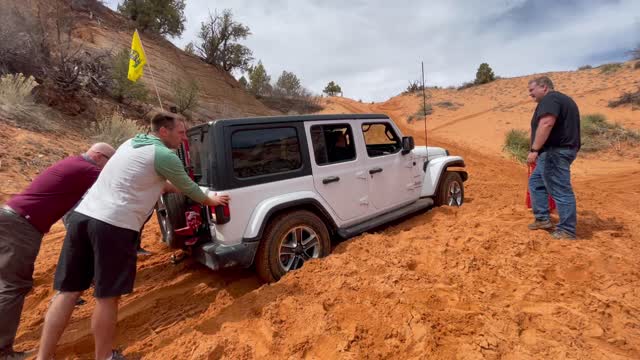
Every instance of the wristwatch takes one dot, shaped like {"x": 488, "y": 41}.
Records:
{"x": 534, "y": 150}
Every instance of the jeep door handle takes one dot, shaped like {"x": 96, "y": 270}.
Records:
{"x": 375, "y": 171}
{"x": 330, "y": 179}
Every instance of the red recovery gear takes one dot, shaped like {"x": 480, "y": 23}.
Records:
{"x": 192, "y": 216}
{"x": 552, "y": 203}
{"x": 194, "y": 221}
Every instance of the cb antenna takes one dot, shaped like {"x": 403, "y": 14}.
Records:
{"x": 424, "y": 109}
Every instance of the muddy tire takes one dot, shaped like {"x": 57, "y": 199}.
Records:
{"x": 289, "y": 240}
{"x": 451, "y": 190}
{"x": 170, "y": 211}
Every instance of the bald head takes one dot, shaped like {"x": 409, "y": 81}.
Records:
{"x": 100, "y": 153}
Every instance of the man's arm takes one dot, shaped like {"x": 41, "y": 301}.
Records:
{"x": 543, "y": 131}
{"x": 168, "y": 165}
{"x": 213, "y": 199}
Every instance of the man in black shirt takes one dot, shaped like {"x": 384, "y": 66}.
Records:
{"x": 555, "y": 142}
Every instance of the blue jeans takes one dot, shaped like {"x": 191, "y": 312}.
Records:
{"x": 552, "y": 176}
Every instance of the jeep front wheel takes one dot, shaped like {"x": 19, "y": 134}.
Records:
{"x": 451, "y": 190}
{"x": 290, "y": 240}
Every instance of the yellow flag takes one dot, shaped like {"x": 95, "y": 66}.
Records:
{"x": 137, "y": 58}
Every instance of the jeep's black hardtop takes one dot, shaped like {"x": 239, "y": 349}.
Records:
{"x": 211, "y": 151}
{"x": 288, "y": 119}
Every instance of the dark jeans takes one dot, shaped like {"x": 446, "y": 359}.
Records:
{"x": 19, "y": 247}
{"x": 552, "y": 176}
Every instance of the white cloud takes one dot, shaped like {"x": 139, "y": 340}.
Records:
{"x": 373, "y": 48}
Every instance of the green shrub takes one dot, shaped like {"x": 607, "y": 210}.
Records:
{"x": 610, "y": 68}
{"x": 259, "y": 80}
{"x": 466, "y": 85}
{"x": 484, "y": 75}
{"x": 332, "y": 89}
{"x": 186, "y": 95}
{"x": 446, "y": 104}
{"x": 425, "y": 109}
{"x": 585, "y": 67}
{"x": 517, "y": 144}
{"x": 414, "y": 87}
{"x": 164, "y": 17}
{"x": 219, "y": 42}
{"x": 598, "y": 134}
{"x": 288, "y": 84}
{"x": 122, "y": 88}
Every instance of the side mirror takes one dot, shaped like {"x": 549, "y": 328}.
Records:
{"x": 407, "y": 144}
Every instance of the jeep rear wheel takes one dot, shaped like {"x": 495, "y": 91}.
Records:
{"x": 170, "y": 211}
{"x": 290, "y": 240}
{"x": 451, "y": 190}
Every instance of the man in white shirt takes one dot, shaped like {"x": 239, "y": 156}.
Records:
{"x": 102, "y": 235}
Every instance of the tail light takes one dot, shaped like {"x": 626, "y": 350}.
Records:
{"x": 222, "y": 214}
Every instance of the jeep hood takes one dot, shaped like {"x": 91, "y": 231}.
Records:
{"x": 433, "y": 152}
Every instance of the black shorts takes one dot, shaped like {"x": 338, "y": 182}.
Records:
{"x": 96, "y": 251}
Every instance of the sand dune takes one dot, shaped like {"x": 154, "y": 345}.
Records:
{"x": 453, "y": 283}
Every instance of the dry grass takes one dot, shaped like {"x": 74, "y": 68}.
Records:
{"x": 449, "y": 105}
{"x": 115, "y": 129}
{"x": 446, "y": 104}
{"x": 425, "y": 109}
{"x": 16, "y": 89}
{"x": 632, "y": 98}
{"x": 18, "y": 106}
{"x": 610, "y": 68}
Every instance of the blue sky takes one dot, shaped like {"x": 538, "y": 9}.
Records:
{"x": 373, "y": 48}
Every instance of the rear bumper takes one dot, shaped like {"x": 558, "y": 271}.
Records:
{"x": 216, "y": 256}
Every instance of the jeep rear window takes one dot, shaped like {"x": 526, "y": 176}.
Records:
{"x": 198, "y": 152}
{"x": 265, "y": 151}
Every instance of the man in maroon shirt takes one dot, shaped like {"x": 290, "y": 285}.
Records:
{"x": 25, "y": 218}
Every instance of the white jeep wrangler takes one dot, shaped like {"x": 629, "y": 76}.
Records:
{"x": 297, "y": 181}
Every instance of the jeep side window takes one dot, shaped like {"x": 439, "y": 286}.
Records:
{"x": 265, "y": 151}
{"x": 380, "y": 139}
{"x": 332, "y": 143}
{"x": 198, "y": 153}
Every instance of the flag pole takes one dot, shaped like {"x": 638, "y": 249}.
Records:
{"x": 153, "y": 78}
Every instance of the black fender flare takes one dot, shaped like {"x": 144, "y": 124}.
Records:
{"x": 456, "y": 163}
